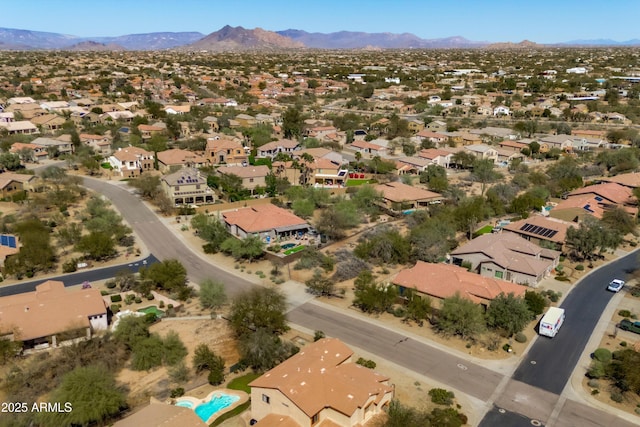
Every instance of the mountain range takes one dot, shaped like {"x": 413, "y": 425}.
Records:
{"x": 238, "y": 39}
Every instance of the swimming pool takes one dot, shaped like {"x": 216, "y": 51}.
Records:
{"x": 288, "y": 245}
{"x": 185, "y": 404}
{"x": 217, "y": 402}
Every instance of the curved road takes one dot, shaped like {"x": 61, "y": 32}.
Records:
{"x": 534, "y": 392}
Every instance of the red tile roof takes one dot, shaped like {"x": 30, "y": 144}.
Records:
{"x": 262, "y": 218}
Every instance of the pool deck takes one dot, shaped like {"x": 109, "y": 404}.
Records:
{"x": 244, "y": 397}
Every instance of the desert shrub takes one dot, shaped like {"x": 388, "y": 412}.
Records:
{"x": 595, "y": 391}
{"x": 116, "y": 298}
{"x": 520, "y": 337}
{"x": 138, "y": 300}
{"x": 216, "y": 377}
{"x": 69, "y": 266}
{"x": 177, "y": 392}
{"x": 366, "y": 363}
{"x": 623, "y": 343}
{"x": 349, "y": 266}
{"x": 441, "y": 396}
{"x": 617, "y": 397}
{"x": 579, "y": 267}
{"x": 624, "y": 313}
{"x": 111, "y": 284}
{"x": 535, "y": 301}
{"x": 593, "y": 383}
{"x": 115, "y": 308}
{"x": 149, "y": 296}
{"x": 275, "y": 248}
{"x": 318, "y": 335}
{"x": 602, "y": 355}
{"x": 596, "y": 370}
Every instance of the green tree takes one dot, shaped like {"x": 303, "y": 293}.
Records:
{"x": 462, "y": 159}
{"x": 212, "y": 294}
{"x": 9, "y": 349}
{"x": 10, "y": 161}
{"x": 148, "y": 186}
{"x": 93, "y": 395}
{"x": 461, "y": 316}
{"x": 484, "y": 173}
{"x": 36, "y": 252}
{"x": 204, "y": 358}
{"x": 97, "y": 246}
{"x": 292, "y": 122}
{"x": 303, "y": 207}
{"x": 535, "y": 302}
{"x": 591, "y": 235}
{"x": 258, "y": 308}
{"x": 374, "y": 298}
{"x": 336, "y": 219}
{"x": 386, "y": 247}
{"x": 319, "y": 284}
{"x": 432, "y": 240}
{"x": 564, "y": 176}
{"x": 509, "y": 314}
{"x": 262, "y": 350}
{"x": 173, "y": 350}
{"x": 69, "y": 235}
{"x": 250, "y": 248}
{"x": 418, "y": 307}
{"x": 131, "y": 330}
{"x": 210, "y": 229}
{"x": 367, "y": 199}
{"x": 147, "y": 353}
{"x": 619, "y": 220}
{"x": 169, "y": 275}
{"x": 435, "y": 177}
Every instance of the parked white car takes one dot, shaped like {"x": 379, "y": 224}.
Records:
{"x": 616, "y": 285}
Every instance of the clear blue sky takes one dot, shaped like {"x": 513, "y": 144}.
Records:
{"x": 542, "y": 21}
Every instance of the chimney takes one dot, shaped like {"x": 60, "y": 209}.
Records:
{"x": 26, "y": 309}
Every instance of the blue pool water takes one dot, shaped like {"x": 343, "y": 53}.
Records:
{"x": 217, "y": 403}
{"x": 185, "y": 404}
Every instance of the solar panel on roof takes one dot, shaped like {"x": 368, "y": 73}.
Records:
{"x": 12, "y": 242}
{"x": 4, "y": 240}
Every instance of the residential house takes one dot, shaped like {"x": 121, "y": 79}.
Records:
{"x": 225, "y": 151}
{"x": 20, "y": 127}
{"x": 320, "y": 153}
{"x": 561, "y": 142}
{"x": 162, "y": 414}
{"x": 470, "y": 139}
{"x": 401, "y": 197}
{"x": 187, "y": 187}
{"x": 131, "y": 161}
{"x": 483, "y": 152}
{"x": 113, "y": 116}
{"x": 177, "y": 158}
{"x": 326, "y": 134}
{"x": 267, "y": 221}
{"x": 506, "y": 156}
{"x": 48, "y": 122}
{"x": 507, "y": 256}
{"x": 212, "y": 123}
{"x": 320, "y": 386}
{"x": 435, "y": 137}
{"x": 412, "y": 165}
{"x": 28, "y": 110}
{"x": 29, "y": 152}
{"x": 538, "y": 229}
{"x": 631, "y": 180}
{"x": 594, "y": 200}
{"x": 501, "y": 110}
{"x": 251, "y": 176}
{"x": 510, "y": 145}
{"x": 271, "y": 149}
{"x": 6, "y": 117}
{"x": 51, "y": 312}
{"x": 495, "y": 133}
{"x": 101, "y": 144}
{"x": 62, "y": 147}
{"x": 436, "y": 126}
{"x": 415, "y": 125}
{"x": 369, "y": 149}
{"x": 440, "y": 281}
{"x": 148, "y": 131}
{"x": 11, "y": 183}
{"x": 177, "y": 109}
{"x": 436, "y": 156}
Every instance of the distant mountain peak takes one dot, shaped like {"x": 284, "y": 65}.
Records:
{"x": 230, "y": 38}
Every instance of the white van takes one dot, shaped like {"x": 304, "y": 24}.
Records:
{"x": 551, "y": 322}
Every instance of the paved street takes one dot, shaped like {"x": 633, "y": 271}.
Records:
{"x": 533, "y": 394}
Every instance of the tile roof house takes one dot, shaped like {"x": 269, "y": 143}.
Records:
{"x": 507, "y": 256}
{"x": 594, "y": 200}
{"x": 131, "y": 161}
{"x": 482, "y": 151}
{"x": 11, "y": 183}
{"x": 222, "y": 150}
{"x": 437, "y": 156}
{"x": 20, "y": 127}
{"x": 38, "y": 318}
{"x": 631, "y": 180}
{"x": 264, "y": 220}
{"x": 538, "y": 228}
{"x": 177, "y": 158}
{"x": 187, "y": 187}
{"x": 319, "y": 386}
{"x": 63, "y": 147}
{"x": 369, "y": 148}
{"x": 101, "y": 144}
{"x": 399, "y": 197}
{"x": 252, "y": 176}
{"x": 29, "y": 152}
{"x": 440, "y": 281}
{"x": 271, "y": 149}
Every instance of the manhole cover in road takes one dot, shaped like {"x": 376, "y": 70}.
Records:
{"x": 502, "y": 411}
{"x": 536, "y": 423}
{"x": 461, "y": 366}
{"x": 533, "y": 362}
